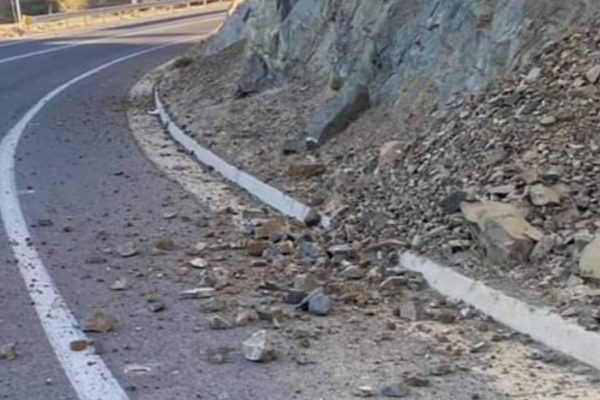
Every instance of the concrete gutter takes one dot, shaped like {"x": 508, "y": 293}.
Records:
{"x": 541, "y": 324}
{"x": 264, "y": 192}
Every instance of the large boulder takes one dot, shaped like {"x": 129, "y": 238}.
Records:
{"x": 336, "y": 115}
{"x": 503, "y": 231}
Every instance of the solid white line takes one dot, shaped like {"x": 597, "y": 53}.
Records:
{"x": 86, "y": 371}
{"x": 92, "y": 41}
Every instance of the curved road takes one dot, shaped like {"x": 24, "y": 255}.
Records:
{"x": 84, "y": 188}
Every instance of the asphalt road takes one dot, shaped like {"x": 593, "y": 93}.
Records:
{"x": 78, "y": 166}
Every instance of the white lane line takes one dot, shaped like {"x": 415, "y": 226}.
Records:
{"x": 86, "y": 371}
{"x": 92, "y": 41}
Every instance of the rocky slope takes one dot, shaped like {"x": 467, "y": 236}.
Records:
{"x": 479, "y": 149}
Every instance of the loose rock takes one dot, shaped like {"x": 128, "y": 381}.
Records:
{"x": 259, "y": 347}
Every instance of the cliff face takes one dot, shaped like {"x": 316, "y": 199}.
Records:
{"x": 402, "y": 50}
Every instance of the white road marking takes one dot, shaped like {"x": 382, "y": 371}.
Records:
{"x": 86, "y": 371}
{"x": 92, "y": 41}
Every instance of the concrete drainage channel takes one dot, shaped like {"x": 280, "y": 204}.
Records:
{"x": 541, "y": 324}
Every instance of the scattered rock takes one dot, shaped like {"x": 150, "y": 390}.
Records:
{"x": 548, "y": 120}
{"x": 127, "y": 249}
{"x": 395, "y": 390}
{"x": 365, "y": 391}
{"x": 589, "y": 263}
{"x": 259, "y": 347}
{"x": 255, "y": 248}
{"x": 120, "y": 284}
{"x": 451, "y": 203}
{"x": 306, "y": 169}
{"x": 313, "y": 218}
{"x": 352, "y": 272}
{"x": 217, "y": 322}
{"x": 390, "y": 153}
{"x": 198, "y": 293}
{"x": 100, "y": 322}
{"x": 541, "y": 195}
{"x": 200, "y": 263}
{"x": 243, "y": 318}
{"x": 9, "y": 352}
{"x": 593, "y": 74}
{"x": 165, "y": 244}
{"x": 273, "y": 229}
{"x": 319, "y": 304}
{"x": 78, "y": 345}
{"x": 416, "y": 381}
{"x": 410, "y": 310}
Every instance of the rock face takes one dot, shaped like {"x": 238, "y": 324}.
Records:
{"x": 232, "y": 31}
{"x": 336, "y": 115}
{"x": 405, "y": 51}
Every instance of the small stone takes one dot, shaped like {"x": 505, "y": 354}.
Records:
{"x": 272, "y": 229}
{"x": 593, "y": 74}
{"x": 198, "y": 293}
{"x": 365, "y": 391}
{"x": 259, "y": 347}
{"x": 304, "y": 283}
{"x": 216, "y": 322}
{"x": 157, "y": 306}
{"x": 548, "y": 120}
{"x": 165, "y": 244}
{"x": 441, "y": 369}
{"x": 451, "y": 203}
{"x": 390, "y": 153}
{"x": 255, "y": 248}
{"x": 319, "y": 304}
{"x": 45, "y": 222}
{"x": 353, "y": 272}
{"x": 313, "y": 218}
{"x": 294, "y": 296}
{"x": 410, "y": 310}
{"x": 541, "y": 195}
{"x": 534, "y": 74}
{"x": 393, "y": 283}
{"x": 416, "y": 381}
{"x": 199, "y": 263}
{"x": 127, "y": 249}
{"x": 100, "y": 322}
{"x": 78, "y": 345}
{"x": 542, "y": 248}
{"x": 589, "y": 263}
{"x": 306, "y": 169}
{"x": 287, "y": 248}
{"x": 120, "y": 284}
{"x": 395, "y": 390}
{"x": 9, "y": 352}
{"x": 242, "y": 318}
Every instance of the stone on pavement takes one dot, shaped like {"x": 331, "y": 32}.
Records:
{"x": 259, "y": 347}
{"x": 100, "y": 322}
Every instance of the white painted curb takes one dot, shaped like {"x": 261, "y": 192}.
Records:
{"x": 541, "y": 324}
{"x": 264, "y": 192}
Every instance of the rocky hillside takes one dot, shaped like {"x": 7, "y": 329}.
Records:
{"x": 465, "y": 130}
